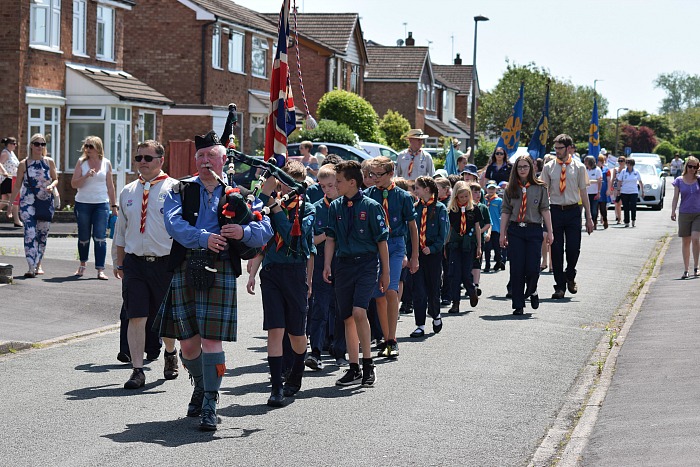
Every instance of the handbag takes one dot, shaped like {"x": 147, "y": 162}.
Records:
{"x": 200, "y": 269}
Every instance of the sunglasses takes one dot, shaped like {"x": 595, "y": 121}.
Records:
{"x": 148, "y": 158}
{"x": 37, "y": 144}
{"x": 88, "y": 146}
{"x": 500, "y": 153}
{"x": 692, "y": 166}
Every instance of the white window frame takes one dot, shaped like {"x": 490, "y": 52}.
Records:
{"x": 258, "y": 122}
{"x": 216, "y": 47}
{"x": 420, "y": 95}
{"x": 142, "y": 125}
{"x": 233, "y": 53}
{"x": 355, "y": 79}
{"x": 433, "y": 101}
{"x": 111, "y": 124}
{"x": 259, "y": 46}
{"x": 107, "y": 41}
{"x": 39, "y": 125}
{"x": 51, "y": 36}
{"x": 79, "y": 27}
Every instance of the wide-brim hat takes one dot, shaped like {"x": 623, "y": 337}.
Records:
{"x": 470, "y": 169}
{"x": 416, "y": 133}
{"x": 205, "y": 141}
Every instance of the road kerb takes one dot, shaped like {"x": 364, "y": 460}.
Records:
{"x": 17, "y": 346}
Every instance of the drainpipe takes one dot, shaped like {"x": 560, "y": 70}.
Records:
{"x": 203, "y": 76}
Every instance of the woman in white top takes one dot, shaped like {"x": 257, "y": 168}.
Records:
{"x": 595, "y": 182}
{"x": 8, "y": 177}
{"x": 629, "y": 179}
{"x": 93, "y": 180}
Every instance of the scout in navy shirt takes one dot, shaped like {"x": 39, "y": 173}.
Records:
{"x": 356, "y": 232}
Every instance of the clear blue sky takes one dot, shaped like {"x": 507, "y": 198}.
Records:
{"x": 625, "y": 44}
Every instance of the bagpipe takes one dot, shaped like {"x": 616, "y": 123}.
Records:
{"x": 237, "y": 208}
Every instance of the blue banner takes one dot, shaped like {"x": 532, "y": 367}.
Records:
{"x": 593, "y": 132}
{"x": 451, "y": 160}
{"x": 538, "y": 143}
{"x": 510, "y": 136}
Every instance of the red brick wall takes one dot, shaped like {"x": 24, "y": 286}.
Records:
{"x": 400, "y": 97}
{"x": 314, "y": 73}
{"x": 14, "y": 17}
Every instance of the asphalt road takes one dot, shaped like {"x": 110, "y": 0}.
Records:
{"x": 482, "y": 392}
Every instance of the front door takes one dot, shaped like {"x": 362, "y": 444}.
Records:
{"x": 121, "y": 157}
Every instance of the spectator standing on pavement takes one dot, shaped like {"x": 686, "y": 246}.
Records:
{"x": 38, "y": 178}
{"x": 498, "y": 168}
{"x": 96, "y": 196}
{"x": 321, "y": 154}
{"x": 617, "y": 198}
{"x": 413, "y": 161}
{"x": 567, "y": 181}
{"x": 595, "y": 185}
{"x": 676, "y": 166}
{"x": 604, "y": 191}
{"x": 525, "y": 208}
{"x": 8, "y": 165}
{"x": 631, "y": 186}
{"x": 687, "y": 187}
{"x": 142, "y": 252}
{"x": 201, "y": 318}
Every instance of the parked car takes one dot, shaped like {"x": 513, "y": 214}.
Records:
{"x": 648, "y": 158}
{"x": 245, "y": 174}
{"x": 376, "y": 150}
{"x": 347, "y": 153}
{"x": 654, "y": 185}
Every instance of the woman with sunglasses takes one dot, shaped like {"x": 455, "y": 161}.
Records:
{"x": 38, "y": 179}
{"x": 629, "y": 179}
{"x": 498, "y": 168}
{"x": 8, "y": 169}
{"x": 687, "y": 186}
{"x": 93, "y": 180}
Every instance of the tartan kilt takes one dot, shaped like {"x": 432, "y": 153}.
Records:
{"x": 212, "y": 313}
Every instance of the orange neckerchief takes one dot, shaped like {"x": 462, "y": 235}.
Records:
{"x": 523, "y": 205}
{"x": 562, "y": 178}
{"x": 288, "y": 206}
{"x": 424, "y": 220}
{"x": 463, "y": 219}
{"x": 385, "y": 202}
{"x": 146, "y": 188}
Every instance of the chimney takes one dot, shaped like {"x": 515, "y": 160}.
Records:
{"x": 458, "y": 60}
{"x": 410, "y": 41}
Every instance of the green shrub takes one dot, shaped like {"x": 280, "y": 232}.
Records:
{"x": 352, "y": 110}
{"x": 395, "y": 126}
{"x": 483, "y": 152}
{"x": 327, "y": 131}
{"x": 666, "y": 151}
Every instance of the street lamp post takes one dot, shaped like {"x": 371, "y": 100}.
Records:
{"x": 617, "y": 128}
{"x": 472, "y": 121}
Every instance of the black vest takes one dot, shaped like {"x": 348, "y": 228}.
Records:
{"x": 189, "y": 194}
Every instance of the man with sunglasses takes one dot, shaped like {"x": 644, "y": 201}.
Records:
{"x": 141, "y": 251}
{"x": 567, "y": 179}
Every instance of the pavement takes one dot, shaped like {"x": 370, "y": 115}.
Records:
{"x": 483, "y": 392}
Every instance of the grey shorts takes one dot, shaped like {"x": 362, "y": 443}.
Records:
{"x": 688, "y": 223}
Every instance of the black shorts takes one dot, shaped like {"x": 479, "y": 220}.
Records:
{"x": 355, "y": 280}
{"x": 284, "y": 297}
{"x": 145, "y": 285}
{"x": 6, "y": 186}
{"x": 476, "y": 263}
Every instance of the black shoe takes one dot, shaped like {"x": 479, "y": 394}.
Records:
{"x": 535, "y": 301}
{"x": 454, "y": 309}
{"x": 437, "y": 325}
{"x": 292, "y": 385}
{"x": 137, "y": 380}
{"x": 350, "y": 377}
{"x": 124, "y": 357}
{"x": 194, "y": 408}
{"x": 474, "y": 297}
{"x": 509, "y": 295}
{"x": 503, "y": 266}
{"x": 498, "y": 266}
{"x": 478, "y": 292}
{"x": 153, "y": 355}
{"x": 369, "y": 375}
{"x": 209, "y": 420}
{"x": 571, "y": 285}
{"x": 558, "y": 294}
{"x": 418, "y": 333}
{"x": 393, "y": 350}
{"x": 314, "y": 362}
{"x": 488, "y": 269}
{"x": 170, "y": 371}
{"x": 381, "y": 345}
{"x": 276, "y": 399}
{"x": 518, "y": 311}
{"x": 444, "y": 302}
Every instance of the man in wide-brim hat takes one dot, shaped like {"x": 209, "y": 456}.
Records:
{"x": 413, "y": 161}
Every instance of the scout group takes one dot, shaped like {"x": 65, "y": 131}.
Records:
{"x": 346, "y": 254}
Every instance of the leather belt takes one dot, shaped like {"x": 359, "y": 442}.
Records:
{"x": 149, "y": 259}
{"x": 526, "y": 224}
{"x": 563, "y": 207}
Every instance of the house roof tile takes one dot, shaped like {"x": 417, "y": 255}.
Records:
{"x": 123, "y": 85}
{"x": 237, "y": 14}
{"x": 386, "y": 63}
{"x": 459, "y": 75}
{"x": 333, "y": 30}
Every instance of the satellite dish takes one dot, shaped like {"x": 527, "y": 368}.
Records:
{"x": 399, "y": 42}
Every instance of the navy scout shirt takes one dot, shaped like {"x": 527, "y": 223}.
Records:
{"x": 282, "y": 224}
{"x": 357, "y": 228}
{"x": 436, "y": 225}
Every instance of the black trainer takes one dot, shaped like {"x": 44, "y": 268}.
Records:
{"x": 369, "y": 375}
{"x": 534, "y": 301}
{"x": 351, "y": 376}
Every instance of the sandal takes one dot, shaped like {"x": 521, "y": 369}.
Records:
{"x": 39, "y": 271}
{"x": 685, "y": 275}
{"x": 696, "y": 272}
{"x": 102, "y": 276}
{"x": 543, "y": 267}
{"x": 80, "y": 271}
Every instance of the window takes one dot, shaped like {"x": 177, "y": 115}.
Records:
{"x": 82, "y": 122}
{"x": 446, "y": 100}
{"x": 258, "y": 57}
{"x": 433, "y": 102}
{"x": 119, "y": 151}
{"x": 105, "y": 33}
{"x": 46, "y": 120}
{"x": 147, "y": 126}
{"x": 216, "y": 47}
{"x": 420, "y": 95}
{"x": 236, "y": 49}
{"x": 354, "y": 78}
{"x": 257, "y": 133}
{"x": 333, "y": 68}
{"x": 45, "y": 23}
{"x": 79, "y": 27}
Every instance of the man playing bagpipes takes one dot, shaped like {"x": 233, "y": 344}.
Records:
{"x": 286, "y": 279}
{"x": 200, "y": 309}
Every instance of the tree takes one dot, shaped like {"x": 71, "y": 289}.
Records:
{"x": 640, "y": 139}
{"x": 666, "y": 149}
{"x": 352, "y": 110}
{"x": 661, "y": 124}
{"x": 685, "y": 120}
{"x": 682, "y": 91}
{"x": 689, "y": 140}
{"x": 570, "y": 106}
{"x": 394, "y": 126}
{"x": 327, "y": 131}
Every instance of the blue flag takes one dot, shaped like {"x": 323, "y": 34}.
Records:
{"x": 451, "y": 161}
{"x": 593, "y": 132}
{"x": 538, "y": 143}
{"x": 510, "y": 136}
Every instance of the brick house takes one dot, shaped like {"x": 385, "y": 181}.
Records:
{"x": 64, "y": 76}
{"x": 332, "y": 53}
{"x": 203, "y": 55}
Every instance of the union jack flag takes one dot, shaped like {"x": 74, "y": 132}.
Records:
{"x": 281, "y": 121}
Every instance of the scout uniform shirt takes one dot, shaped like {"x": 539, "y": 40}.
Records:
{"x": 454, "y": 239}
{"x": 357, "y": 225}
{"x": 422, "y": 164}
{"x": 576, "y": 180}
{"x": 321, "y": 221}
{"x": 537, "y": 202}
{"x": 401, "y": 210}
{"x": 282, "y": 223}
{"x": 436, "y": 226}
